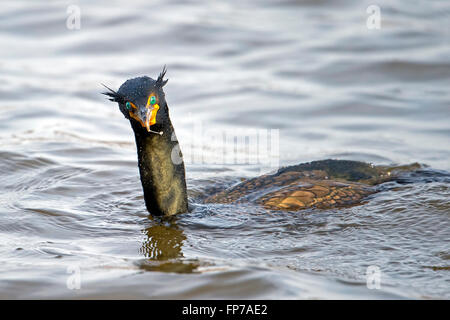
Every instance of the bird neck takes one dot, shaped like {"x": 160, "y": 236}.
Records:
{"x": 161, "y": 168}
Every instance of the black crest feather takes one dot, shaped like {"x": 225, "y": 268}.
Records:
{"x": 114, "y": 96}
{"x": 160, "y": 82}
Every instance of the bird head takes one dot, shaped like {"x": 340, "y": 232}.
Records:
{"x": 142, "y": 101}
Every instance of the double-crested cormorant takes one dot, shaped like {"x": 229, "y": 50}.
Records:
{"x": 320, "y": 184}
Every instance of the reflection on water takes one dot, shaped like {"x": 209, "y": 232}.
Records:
{"x": 70, "y": 193}
{"x": 163, "y": 248}
{"x": 163, "y": 242}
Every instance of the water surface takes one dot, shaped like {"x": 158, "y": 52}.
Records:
{"x": 70, "y": 195}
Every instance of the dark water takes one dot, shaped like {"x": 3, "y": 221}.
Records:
{"x": 70, "y": 197}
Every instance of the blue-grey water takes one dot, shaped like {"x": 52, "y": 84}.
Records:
{"x": 72, "y": 218}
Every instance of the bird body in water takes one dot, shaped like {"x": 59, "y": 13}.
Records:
{"x": 318, "y": 184}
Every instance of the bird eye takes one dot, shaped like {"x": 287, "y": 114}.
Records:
{"x": 152, "y": 100}
{"x": 128, "y": 105}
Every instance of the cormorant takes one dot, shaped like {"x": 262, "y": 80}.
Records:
{"x": 320, "y": 184}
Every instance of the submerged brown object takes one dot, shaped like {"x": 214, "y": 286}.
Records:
{"x": 318, "y": 184}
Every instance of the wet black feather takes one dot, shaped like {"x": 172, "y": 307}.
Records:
{"x": 160, "y": 82}
{"x": 114, "y": 96}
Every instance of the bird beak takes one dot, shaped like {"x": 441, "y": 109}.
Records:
{"x": 151, "y": 116}
{"x": 145, "y": 116}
